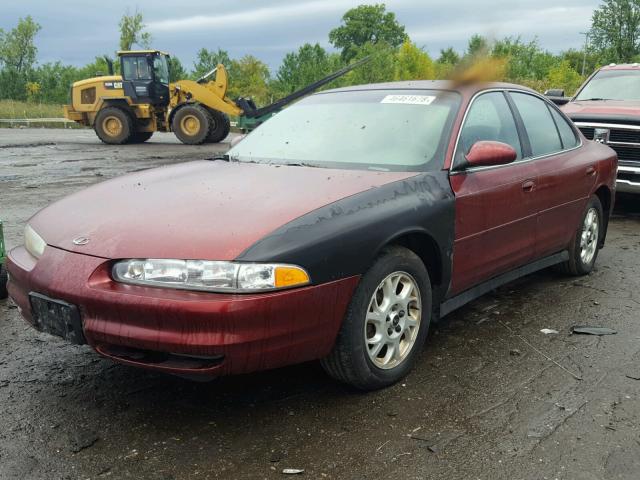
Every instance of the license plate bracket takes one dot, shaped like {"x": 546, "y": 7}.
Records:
{"x": 57, "y": 317}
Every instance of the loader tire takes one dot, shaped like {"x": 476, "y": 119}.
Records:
{"x": 192, "y": 124}
{"x": 220, "y": 127}
{"x": 113, "y": 126}
{"x": 140, "y": 137}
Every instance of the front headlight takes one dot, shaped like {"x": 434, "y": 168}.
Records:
{"x": 33, "y": 242}
{"x": 210, "y": 276}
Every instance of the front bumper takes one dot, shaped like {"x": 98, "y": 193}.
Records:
{"x": 628, "y": 180}
{"x": 183, "y": 332}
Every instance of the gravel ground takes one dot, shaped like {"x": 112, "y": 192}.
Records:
{"x": 491, "y": 396}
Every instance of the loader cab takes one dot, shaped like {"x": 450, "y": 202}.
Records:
{"x": 145, "y": 76}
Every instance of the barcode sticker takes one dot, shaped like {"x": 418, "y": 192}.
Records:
{"x": 409, "y": 99}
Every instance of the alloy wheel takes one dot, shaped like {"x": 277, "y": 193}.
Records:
{"x": 393, "y": 320}
{"x": 589, "y": 236}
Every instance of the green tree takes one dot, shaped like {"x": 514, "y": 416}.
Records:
{"x": 207, "y": 60}
{"x": 564, "y": 76}
{"x": 250, "y": 79}
{"x": 478, "y": 45}
{"x": 524, "y": 60}
{"x": 381, "y": 66}
{"x": 366, "y": 24}
{"x": 17, "y": 58}
{"x": 615, "y": 29}
{"x": 176, "y": 70}
{"x": 298, "y": 69}
{"x": 412, "y": 63}
{"x": 590, "y": 59}
{"x": 449, "y": 55}
{"x": 132, "y": 31}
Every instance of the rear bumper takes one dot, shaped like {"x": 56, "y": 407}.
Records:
{"x": 628, "y": 180}
{"x": 188, "y": 333}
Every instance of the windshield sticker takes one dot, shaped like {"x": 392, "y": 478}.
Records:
{"x": 409, "y": 99}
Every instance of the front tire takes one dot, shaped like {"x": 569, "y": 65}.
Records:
{"x": 113, "y": 126}
{"x": 386, "y": 323}
{"x": 192, "y": 124}
{"x": 220, "y": 127}
{"x": 140, "y": 137}
{"x": 583, "y": 250}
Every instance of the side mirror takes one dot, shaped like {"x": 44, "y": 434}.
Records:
{"x": 554, "y": 92}
{"x": 556, "y": 95}
{"x": 488, "y": 153}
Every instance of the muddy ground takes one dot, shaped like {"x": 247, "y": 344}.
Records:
{"x": 484, "y": 401}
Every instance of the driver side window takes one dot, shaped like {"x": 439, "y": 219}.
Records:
{"x": 489, "y": 118}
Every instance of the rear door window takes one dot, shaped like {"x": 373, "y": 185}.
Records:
{"x": 489, "y": 118}
{"x": 567, "y": 135}
{"x": 539, "y": 124}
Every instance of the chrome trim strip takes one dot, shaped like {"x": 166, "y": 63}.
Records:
{"x": 617, "y": 126}
{"x": 629, "y": 182}
{"x": 624, "y": 144}
{"x": 624, "y": 168}
{"x": 518, "y": 162}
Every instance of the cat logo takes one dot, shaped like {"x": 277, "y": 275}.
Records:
{"x": 112, "y": 85}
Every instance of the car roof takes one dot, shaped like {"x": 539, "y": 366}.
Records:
{"x": 621, "y": 66}
{"x": 464, "y": 88}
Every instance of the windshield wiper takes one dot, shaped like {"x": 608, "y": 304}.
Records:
{"x": 220, "y": 156}
{"x": 300, "y": 164}
{"x": 593, "y": 99}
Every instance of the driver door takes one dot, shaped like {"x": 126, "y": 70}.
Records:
{"x": 495, "y": 207}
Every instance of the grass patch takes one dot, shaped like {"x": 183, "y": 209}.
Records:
{"x": 14, "y": 109}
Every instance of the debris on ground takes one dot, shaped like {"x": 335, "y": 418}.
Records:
{"x": 548, "y": 331}
{"x": 586, "y": 330}
{"x": 633, "y": 376}
{"x": 293, "y": 471}
{"x": 514, "y": 352}
{"x": 82, "y": 439}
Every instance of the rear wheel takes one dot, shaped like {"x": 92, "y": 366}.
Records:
{"x": 140, "y": 137}
{"x": 192, "y": 124}
{"x": 4, "y": 278}
{"x": 113, "y": 126}
{"x": 584, "y": 247}
{"x": 386, "y": 323}
{"x": 220, "y": 126}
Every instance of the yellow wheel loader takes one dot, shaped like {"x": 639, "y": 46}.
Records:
{"x": 130, "y": 107}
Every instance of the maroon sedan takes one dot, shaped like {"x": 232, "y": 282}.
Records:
{"x": 338, "y": 230}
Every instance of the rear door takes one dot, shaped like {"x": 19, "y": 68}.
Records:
{"x": 564, "y": 177}
{"x": 495, "y": 207}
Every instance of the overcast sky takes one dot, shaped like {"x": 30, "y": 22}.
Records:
{"x": 75, "y": 31}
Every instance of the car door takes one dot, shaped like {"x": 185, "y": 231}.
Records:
{"x": 564, "y": 178}
{"x": 495, "y": 208}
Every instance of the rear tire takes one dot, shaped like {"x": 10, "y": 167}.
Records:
{"x": 583, "y": 250}
{"x": 140, "y": 137}
{"x": 192, "y": 124}
{"x": 220, "y": 127}
{"x": 383, "y": 331}
{"x": 4, "y": 278}
{"x": 113, "y": 126}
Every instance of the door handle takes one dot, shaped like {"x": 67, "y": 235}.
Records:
{"x": 591, "y": 170}
{"x": 528, "y": 186}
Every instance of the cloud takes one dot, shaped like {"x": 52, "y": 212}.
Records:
{"x": 256, "y": 16}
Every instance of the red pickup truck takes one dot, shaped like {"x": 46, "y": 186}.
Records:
{"x": 607, "y": 109}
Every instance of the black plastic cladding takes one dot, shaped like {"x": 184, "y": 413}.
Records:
{"x": 343, "y": 238}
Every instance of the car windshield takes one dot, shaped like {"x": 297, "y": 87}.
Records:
{"x": 368, "y": 129}
{"x": 612, "y": 85}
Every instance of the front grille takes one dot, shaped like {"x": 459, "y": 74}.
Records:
{"x": 588, "y": 132}
{"x": 629, "y": 154}
{"x": 625, "y": 136}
